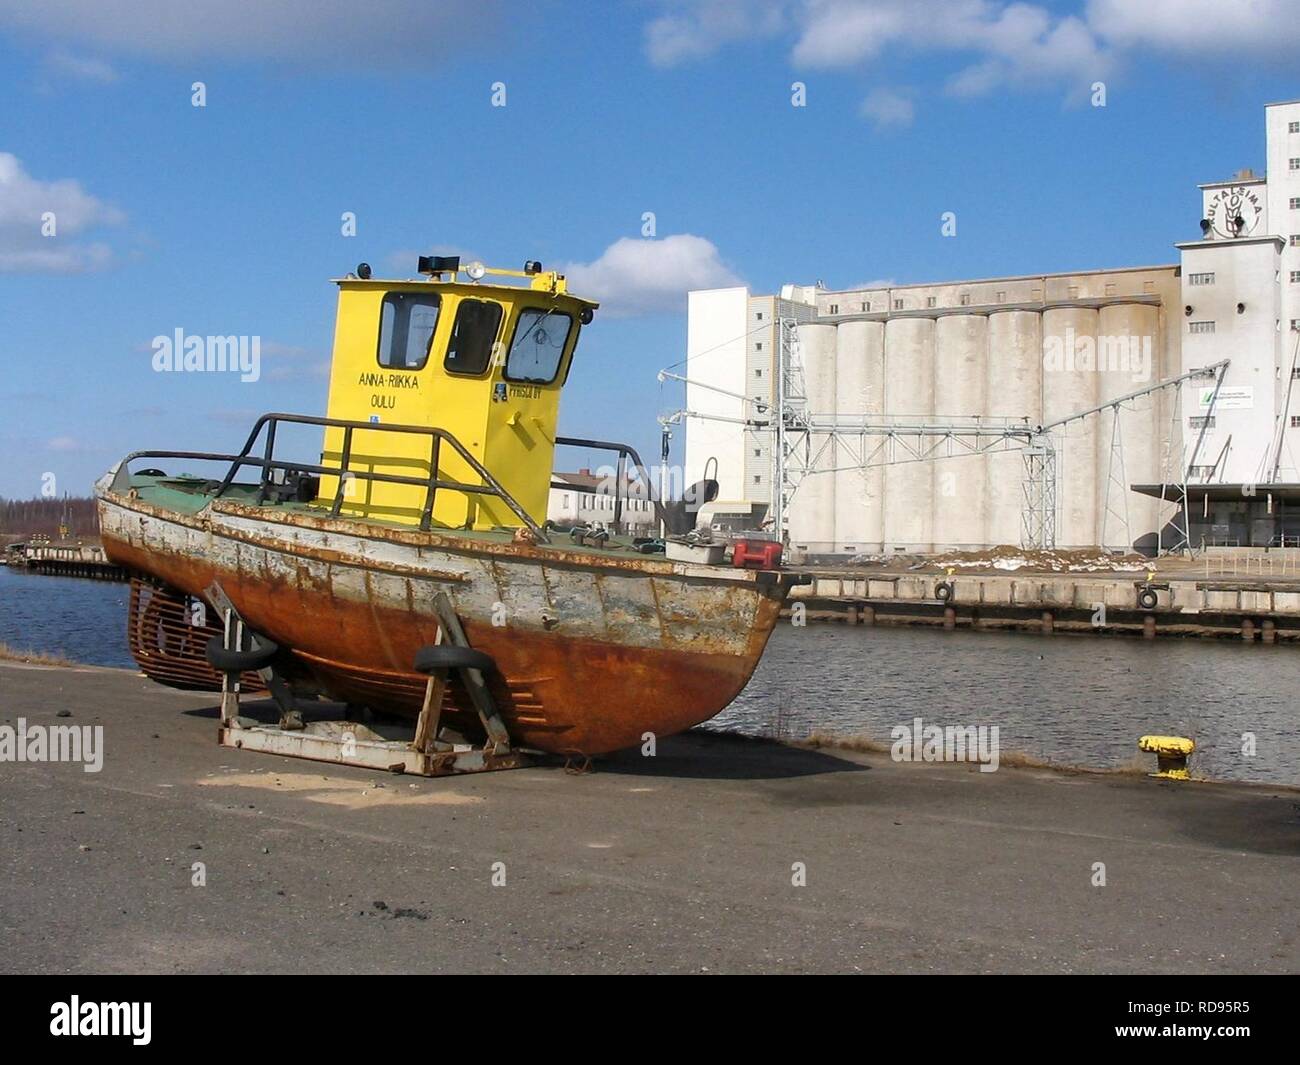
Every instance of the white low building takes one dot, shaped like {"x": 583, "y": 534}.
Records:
{"x": 975, "y": 358}
{"x": 586, "y": 498}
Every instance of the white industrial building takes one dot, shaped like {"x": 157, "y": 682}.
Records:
{"x": 1020, "y": 410}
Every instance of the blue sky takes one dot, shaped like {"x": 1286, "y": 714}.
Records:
{"x": 225, "y": 219}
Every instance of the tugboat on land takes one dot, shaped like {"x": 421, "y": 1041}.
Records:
{"x": 415, "y": 553}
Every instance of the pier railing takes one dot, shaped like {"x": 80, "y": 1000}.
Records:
{"x": 64, "y": 558}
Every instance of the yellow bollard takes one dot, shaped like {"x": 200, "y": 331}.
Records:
{"x": 1171, "y": 755}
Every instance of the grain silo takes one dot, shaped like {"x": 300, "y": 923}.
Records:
{"x": 1069, "y": 387}
{"x": 909, "y": 399}
{"x": 860, "y": 387}
{"x": 1018, "y": 352}
{"x": 960, "y": 395}
{"x": 1128, "y": 346}
{"x": 812, "y": 513}
{"x": 1014, "y": 393}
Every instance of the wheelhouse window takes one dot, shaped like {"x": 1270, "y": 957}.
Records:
{"x": 538, "y": 345}
{"x": 472, "y": 335}
{"x": 406, "y": 324}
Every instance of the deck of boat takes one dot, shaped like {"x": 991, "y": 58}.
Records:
{"x": 188, "y": 495}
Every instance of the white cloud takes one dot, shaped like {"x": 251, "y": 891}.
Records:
{"x": 636, "y": 276}
{"x": 845, "y": 32}
{"x": 693, "y": 29}
{"x": 1025, "y": 47}
{"x": 995, "y": 43}
{"x": 63, "y": 65}
{"x": 1016, "y": 44}
{"x": 24, "y": 198}
{"x": 52, "y": 259}
{"x": 376, "y": 34}
{"x": 888, "y": 108}
{"x": 1201, "y": 27}
{"x": 24, "y": 203}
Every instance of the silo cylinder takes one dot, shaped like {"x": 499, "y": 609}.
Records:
{"x": 1127, "y": 345}
{"x": 859, "y": 490}
{"x": 909, "y": 397}
{"x": 811, "y": 520}
{"x": 1070, "y": 386}
{"x": 960, "y": 375}
{"x": 1015, "y": 367}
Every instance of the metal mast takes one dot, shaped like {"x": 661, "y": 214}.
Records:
{"x": 1115, "y": 504}
{"x": 1038, "y": 515}
{"x": 790, "y": 423}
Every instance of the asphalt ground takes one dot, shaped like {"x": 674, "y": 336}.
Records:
{"x": 717, "y": 855}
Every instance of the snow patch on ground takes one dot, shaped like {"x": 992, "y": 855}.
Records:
{"x": 1010, "y": 560}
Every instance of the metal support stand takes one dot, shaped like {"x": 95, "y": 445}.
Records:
{"x": 484, "y": 705}
{"x": 427, "y": 753}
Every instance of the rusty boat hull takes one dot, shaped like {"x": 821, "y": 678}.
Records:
{"x": 594, "y": 648}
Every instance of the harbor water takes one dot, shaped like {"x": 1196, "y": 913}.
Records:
{"x": 82, "y": 620}
{"x": 1068, "y": 700}
{"x": 1065, "y": 700}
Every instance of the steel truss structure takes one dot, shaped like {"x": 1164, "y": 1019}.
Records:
{"x": 808, "y": 443}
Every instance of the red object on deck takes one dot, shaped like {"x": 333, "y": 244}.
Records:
{"x": 756, "y": 554}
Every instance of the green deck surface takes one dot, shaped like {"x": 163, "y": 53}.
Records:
{"x": 188, "y": 495}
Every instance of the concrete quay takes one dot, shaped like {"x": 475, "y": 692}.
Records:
{"x": 687, "y": 862}
{"x": 1181, "y": 602}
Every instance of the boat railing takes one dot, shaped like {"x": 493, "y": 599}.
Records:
{"x": 625, "y": 454}
{"x": 267, "y": 462}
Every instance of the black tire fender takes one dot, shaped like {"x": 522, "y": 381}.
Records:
{"x": 243, "y": 661}
{"x": 435, "y": 656}
{"x": 1147, "y": 599}
{"x": 943, "y": 591}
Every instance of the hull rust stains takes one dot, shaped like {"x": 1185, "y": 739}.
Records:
{"x": 593, "y": 649}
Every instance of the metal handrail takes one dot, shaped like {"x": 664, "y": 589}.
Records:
{"x": 266, "y": 463}
{"x": 625, "y": 452}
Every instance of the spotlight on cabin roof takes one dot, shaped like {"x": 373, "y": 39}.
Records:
{"x": 437, "y": 265}
{"x": 363, "y": 271}
{"x": 532, "y": 267}
{"x": 476, "y": 270}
